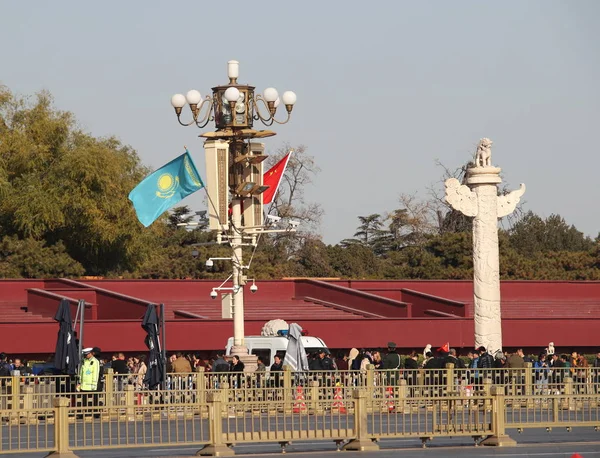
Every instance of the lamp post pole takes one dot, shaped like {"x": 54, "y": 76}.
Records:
{"x": 239, "y": 347}
{"x": 234, "y": 171}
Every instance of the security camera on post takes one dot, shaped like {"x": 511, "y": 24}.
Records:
{"x": 213, "y": 294}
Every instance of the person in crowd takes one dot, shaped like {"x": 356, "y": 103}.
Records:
{"x": 342, "y": 361}
{"x": 261, "y": 367}
{"x": 428, "y": 349}
{"x": 120, "y": 370}
{"x": 18, "y": 365}
{"x": 352, "y": 357}
{"x": 237, "y": 366}
{"x": 181, "y": 365}
{"x": 428, "y": 357}
{"x": 275, "y": 371}
{"x": 141, "y": 369}
{"x": 573, "y": 364}
{"x": 391, "y": 363}
{"x": 313, "y": 361}
{"x": 325, "y": 363}
{"x": 485, "y": 361}
{"x": 473, "y": 375}
{"x": 541, "y": 375}
{"x": 89, "y": 374}
{"x": 516, "y": 360}
{"x": 119, "y": 365}
{"x": 454, "y": 359}
{"x": 220, "y": 365}
{"x": 377, "y": 360}
{"x": 197, "y": 361}
{"x": 411, "y": 364}
{"x": 170, "y": 362}
{"x": 5, "y": 366}
{"x": 131, "y": 365}
{"x": 597, "y": 373}
{"x": 581, "y": 375}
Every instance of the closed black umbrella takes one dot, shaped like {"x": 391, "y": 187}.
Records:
{"x": 66, "y": 358}
{"x": 156, "y": 366}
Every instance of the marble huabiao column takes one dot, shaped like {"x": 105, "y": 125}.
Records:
{"x": 479, "y": 198}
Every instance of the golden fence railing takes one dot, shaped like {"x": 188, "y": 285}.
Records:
{"x": 212, "y": 411}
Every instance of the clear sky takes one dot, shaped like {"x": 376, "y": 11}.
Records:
{"x": 384, "y": 88}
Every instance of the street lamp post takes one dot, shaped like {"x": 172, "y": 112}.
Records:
{"x": 234, "y": 168}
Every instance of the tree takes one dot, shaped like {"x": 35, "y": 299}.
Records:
{"x": 30, "y": 258}
{"x": 289, "y": 201}
{"x": 532, "y": 234}
{"x": 61, "y": 185}
{"x": 368, "y": 234}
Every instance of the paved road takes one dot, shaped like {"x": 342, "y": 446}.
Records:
{"x": 531, "y": 443}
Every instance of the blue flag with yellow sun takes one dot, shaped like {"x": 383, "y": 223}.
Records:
{"x": 162, "y": 189}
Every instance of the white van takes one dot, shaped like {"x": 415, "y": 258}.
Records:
{"x": 268, "y": 346}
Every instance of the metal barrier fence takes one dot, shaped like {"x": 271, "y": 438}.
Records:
{"x": 213, "y": 411}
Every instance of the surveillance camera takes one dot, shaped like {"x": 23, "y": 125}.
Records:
{"x": 195, "y": 254}
{"x": 213, "y": 294}
{"x": 273, "y": 219}
{"x": 253, "y": 288}
{"x": 209, "y": 263}
{"x": 294, "y": 224}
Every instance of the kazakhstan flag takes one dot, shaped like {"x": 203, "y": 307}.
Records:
{"x": 162, "y": 189}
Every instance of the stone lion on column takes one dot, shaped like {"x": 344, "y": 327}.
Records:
{"x": 483, "y": 155}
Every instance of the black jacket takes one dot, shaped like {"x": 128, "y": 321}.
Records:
{"x": 485, "y": 361}
{"x": 119, "y": 366}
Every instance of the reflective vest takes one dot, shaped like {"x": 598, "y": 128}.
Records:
{"x": 88, "y": 374}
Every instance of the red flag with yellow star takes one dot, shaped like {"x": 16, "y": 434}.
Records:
{"x": 272, "y": 178}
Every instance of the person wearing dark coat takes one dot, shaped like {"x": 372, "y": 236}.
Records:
{"x": 392, "y": 359}
{"x": 485, "y": 361}
{"x": 275, "y": 371}
{"x": 411, "y": 365}
{"x": 452, "y": 358}
{"x": 324, "y": 361}
{"x": 237, "y": 366}
{"x": 342, "y": 362}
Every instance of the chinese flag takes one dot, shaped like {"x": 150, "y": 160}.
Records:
{"x": 445, "y": 348}
{"x": 272, "y": 178}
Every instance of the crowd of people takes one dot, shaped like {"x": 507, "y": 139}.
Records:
{"x": 549, "y": 366}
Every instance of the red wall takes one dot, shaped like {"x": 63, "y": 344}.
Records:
{"x": 127, "y": 335}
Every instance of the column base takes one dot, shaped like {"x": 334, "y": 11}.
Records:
{"x": 499, "y": 441}
{"x": 215, "y": 450}
{"x": 361, "y": 445}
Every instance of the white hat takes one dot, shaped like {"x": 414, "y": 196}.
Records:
{"x": 87, "y": 350}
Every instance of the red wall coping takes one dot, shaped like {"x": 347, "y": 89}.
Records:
{"x": 344, "y": 295}
{"x": 443, "y": 300}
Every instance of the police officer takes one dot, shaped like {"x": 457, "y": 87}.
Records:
{"x": 89, "y": 374}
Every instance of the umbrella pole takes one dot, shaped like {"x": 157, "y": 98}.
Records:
{"x": 164, "y": 346}
{"x": 80, "y": 313}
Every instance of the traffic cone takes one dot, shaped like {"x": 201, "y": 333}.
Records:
{"x": 338, "y": 403}
{"x": 576, "y": 455}
{"x": 299, "y": 402}
{"x": 390, "y": 397}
